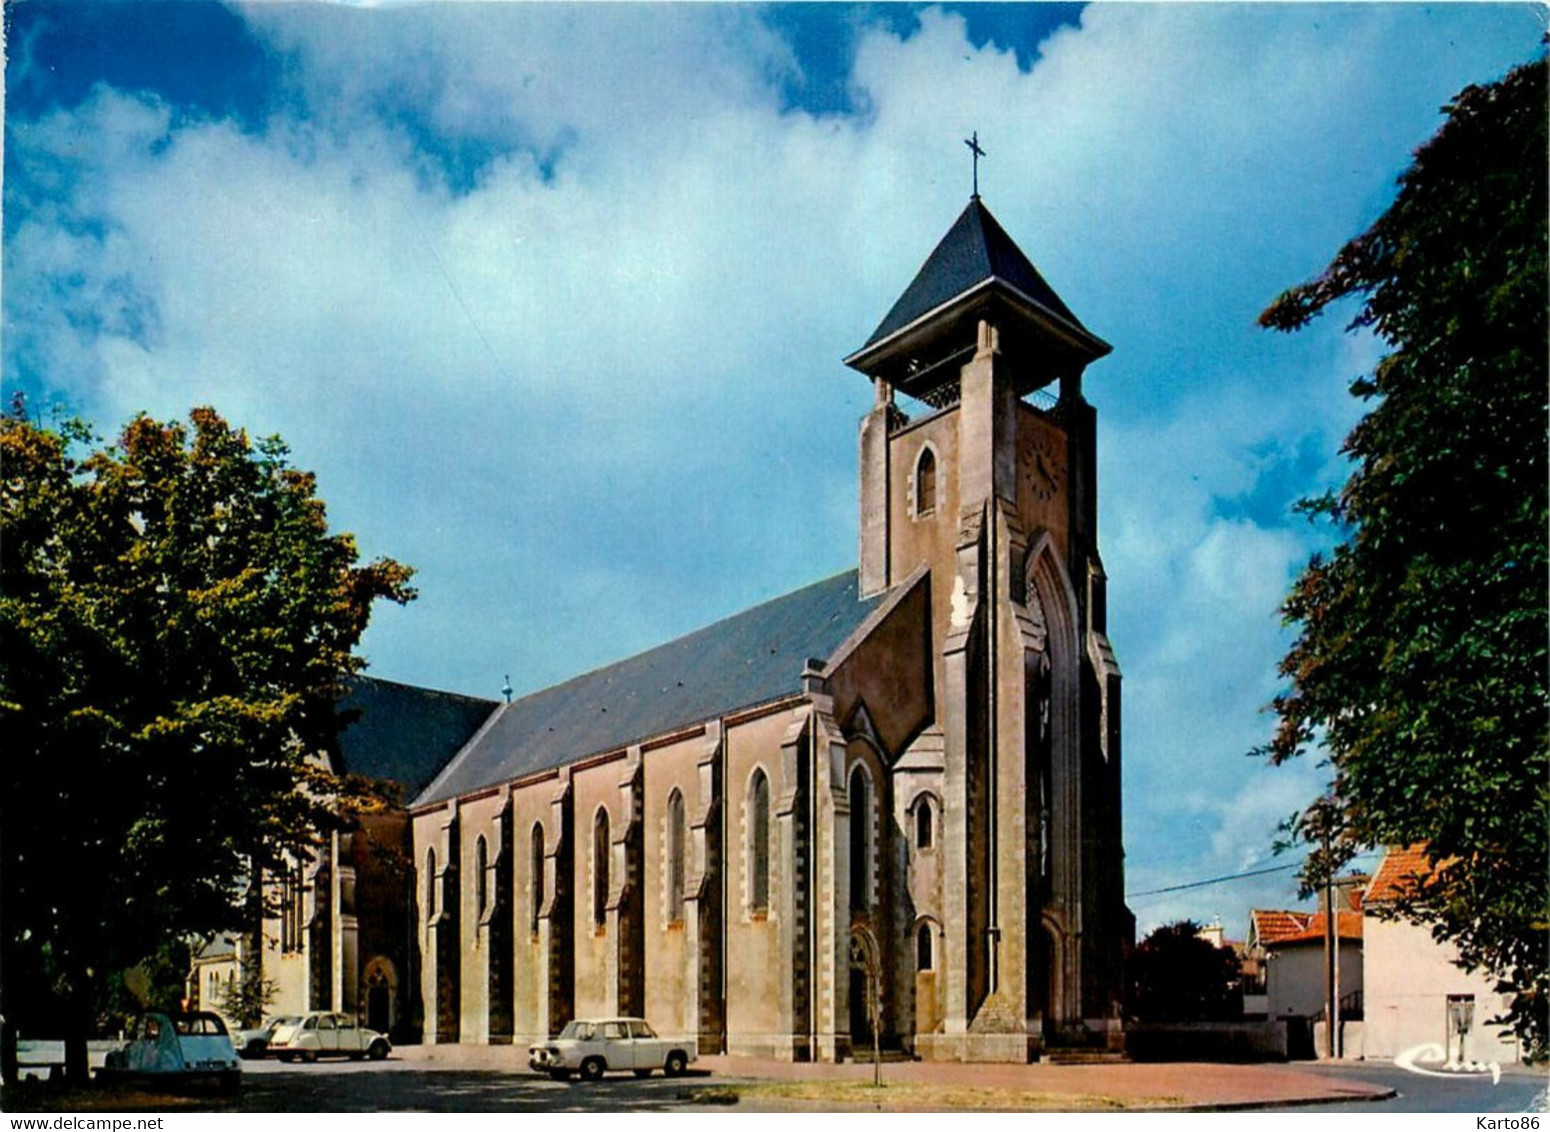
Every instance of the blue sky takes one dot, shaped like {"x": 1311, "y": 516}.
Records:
{"x": 552, "y": 298}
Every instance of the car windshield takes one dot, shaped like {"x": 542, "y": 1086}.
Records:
{"x": 199, "y": 1024}
{"x": 577, "y": 1031}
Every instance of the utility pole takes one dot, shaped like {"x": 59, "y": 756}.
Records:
{"x": 1339, "y": 1037}
{"x": 1331, "y": 942}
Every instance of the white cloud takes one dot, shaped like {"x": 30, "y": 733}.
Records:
{"x": 593, "y": 392}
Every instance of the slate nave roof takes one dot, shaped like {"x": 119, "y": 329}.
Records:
{"x": 403, "y": 733}
{"x": 753, "y": 657}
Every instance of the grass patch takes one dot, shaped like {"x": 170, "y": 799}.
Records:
{"x": 912, "y": 1097}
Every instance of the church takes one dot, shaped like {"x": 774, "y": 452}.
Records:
{"x": 885, "y": 807}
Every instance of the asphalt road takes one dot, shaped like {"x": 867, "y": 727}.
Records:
{"x": 1520, "y": 1090}
{"x": 392, "y": 1086}
{"x": 397, "y": 1085}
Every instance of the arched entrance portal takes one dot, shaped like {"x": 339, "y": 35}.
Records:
{"x": 1053, "y": 770}
{"x": 865, "y": 990}
{"x": 381, "y": 995}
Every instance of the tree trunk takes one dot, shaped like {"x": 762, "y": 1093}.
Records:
{"x": 9, "y": 1072}
{"x": 78, "y": 1027}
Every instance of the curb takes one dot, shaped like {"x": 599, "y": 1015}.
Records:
{"x": 1294, "y": 1102}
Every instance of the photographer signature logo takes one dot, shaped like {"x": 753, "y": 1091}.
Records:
{"x": 1432, "y": 1054}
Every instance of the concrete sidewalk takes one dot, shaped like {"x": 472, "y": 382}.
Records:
{"x": 1173, "y": 1085}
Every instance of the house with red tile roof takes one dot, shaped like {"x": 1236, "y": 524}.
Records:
{"x": 1294, "y": 968}
{"x": 1416, "y": 993}
{"x": 1290, "y": 943}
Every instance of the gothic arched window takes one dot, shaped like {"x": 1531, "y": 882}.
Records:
{"x": 536, "y": 879}
{"x": 291, "y": 908}
{"x": 860, "y": 841}
{"x": 925, "y": 482}
{"x": 430, "y": 884}
{"x": 759, "y": 843}
{"x": 675, "y": 857}
{"x": 923, "y": 941}
{"x": 481, "y": 880}
{"x": 600, "y": 852}
{"x": 925, "y": 824}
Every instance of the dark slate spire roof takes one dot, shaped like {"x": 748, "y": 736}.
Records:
{"x": 405, "y": 734}
{"x": 976, "y": 248}
{"x": 754, "y": 657}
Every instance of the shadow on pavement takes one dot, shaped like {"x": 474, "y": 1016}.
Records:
{"x": 428, "y": 1090}
{"x": 390, "y": 1089}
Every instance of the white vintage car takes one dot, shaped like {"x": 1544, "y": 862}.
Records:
{"x": 327, "y": 1035}
{"x": 592, "y": 1048}
{"x": 254, "y": 1042}
{"x": 182, "y": 1047}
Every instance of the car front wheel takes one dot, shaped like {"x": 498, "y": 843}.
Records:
{"x": 677, "y": 1063}
{"x": 592, "y": 1069}
{"x": 378, "y": 1050}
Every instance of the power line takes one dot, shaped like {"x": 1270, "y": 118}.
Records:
{"x": 457, "y": 294}
{"x": 1214, "y": 880}
{"x": 1234, "y": 876}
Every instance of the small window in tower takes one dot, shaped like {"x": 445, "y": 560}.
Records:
{"x": 925, "y": 825}
{"x": 923, "y": 948}
{"x": 925, "y": 483}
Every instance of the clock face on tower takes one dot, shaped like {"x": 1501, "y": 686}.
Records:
{"x": 1042, "y": 466}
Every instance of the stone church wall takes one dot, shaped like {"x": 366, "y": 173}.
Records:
{"x": 929, "y": 538}
{"x": 759, "y": 992}
{"x": 890, "y": 672}
{"x": 1043, "y": 503}
{"x": 291, "y": 976}
{"x": 478, "y": 818}
{"x": 384, "y": 913}
{"x": 670, "y": 969}
{"x": 597, "y": 792}
{"x": 532, "y": 808}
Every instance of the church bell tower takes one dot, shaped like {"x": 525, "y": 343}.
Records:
{"x": 984, "y": 478}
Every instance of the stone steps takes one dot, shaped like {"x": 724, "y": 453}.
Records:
{"x": 1083, "y": 1057}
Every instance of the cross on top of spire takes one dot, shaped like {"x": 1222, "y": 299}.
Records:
{"x": 973, "y": 142}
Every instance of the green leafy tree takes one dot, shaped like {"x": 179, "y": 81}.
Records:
{"x": 159, "y": 981}
{"x": 246, "y": 997}
{"x": 1420, "y": 661}
{"x": 178, "y": 623}
{"x": 1176, "y": 976}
